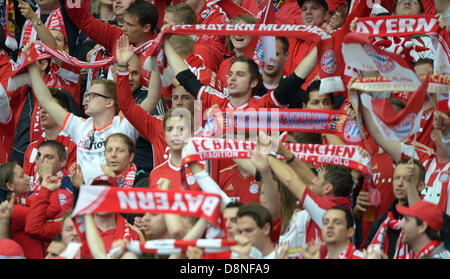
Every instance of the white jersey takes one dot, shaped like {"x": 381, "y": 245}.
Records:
{"x": 295, "y": 233}
{"x": 91, "y": 155}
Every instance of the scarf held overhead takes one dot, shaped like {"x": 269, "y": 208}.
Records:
{"x": 199, "y": 149}
{"x": 327, "y": 57}
{"x": 409, "y": 28}
{"x": 139, "y": 200}
{"x": 292, "y": 120}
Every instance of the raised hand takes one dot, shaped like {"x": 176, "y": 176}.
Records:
{"x": 51, "y": 182}
{"x": 6, "y": 208}
{"x": 27, "y": 11}
{"x": 124, "y": 51}
{"x": 76, "y": 175}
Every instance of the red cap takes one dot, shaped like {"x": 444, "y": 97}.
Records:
{"x": 105, "y": 180}
{"x": 10, "y": 249}
{"x": 425, "y": 211}
{"x": 334, "y": 4}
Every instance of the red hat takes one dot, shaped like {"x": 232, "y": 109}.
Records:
{"x": 425, "y": 211}
{"x": 321, "y": 2}
{"x": 105, "y": 180}
{"x": 9, "y": 249}
{"x": 334, "y": 4}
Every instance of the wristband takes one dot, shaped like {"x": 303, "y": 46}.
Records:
{"x": 290, "y": 160}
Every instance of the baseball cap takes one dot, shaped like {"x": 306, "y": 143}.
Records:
{"x": 105, "y": 180}
{"x": 334, "y": 4}
{"x": 321, "y": 2}
{"x": 425, "y": 211}
{"x": 10, "y": 249}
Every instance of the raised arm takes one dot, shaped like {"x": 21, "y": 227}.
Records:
{"x": 289, "y": 86}
{"x": 6, "y": 208}
{"x": 174, "y": 222}
{"x": 303, "y": 171}
{"x": 271, "y": 193}
{"x": 44, "y": 96}
{"x": 287, "y": 176}
{"x": 207, "y": 184}
{"x": 392, "y": 148}
{"x": 181, "y": 71}
{"x": 138, "y": 117}
{"x": 43, "y": 33}
{"x": 154, "y": 88}
{"x": 93, "y": 238}
{"x": 36, "y": 224}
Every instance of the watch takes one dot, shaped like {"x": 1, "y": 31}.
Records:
{"x": 38, "y": 22}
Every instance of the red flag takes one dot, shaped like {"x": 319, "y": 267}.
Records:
{"x": 397, "y": 126}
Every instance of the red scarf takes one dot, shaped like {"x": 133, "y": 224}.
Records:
{"x": 292, "y": 120}
{"x": 348, "y": 253}
{"x": 8, "y": 22}
{"x": 141, "y": 200}
{"x": 426, "y": 251}
{"x": 380, "y": 239}
{"x": 400, "y": 32}
{"x": 199, "y": 149}
{"x": 54, "y": 21}
{"x": 326, "y": 54}
{"x": 177, "y": 246}
{"x": 126, "y": 178}
{"x": 437, "y": 84}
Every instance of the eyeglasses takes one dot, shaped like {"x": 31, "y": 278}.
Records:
{"x": 412, "y": 2}
{"x": 94, "y": 94}
{"x": 90, "y": 141}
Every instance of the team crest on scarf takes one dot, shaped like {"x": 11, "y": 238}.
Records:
{"x": 383, "y": 63}
{"x": 328, "y": 62}
{"x": 351, "y": 132}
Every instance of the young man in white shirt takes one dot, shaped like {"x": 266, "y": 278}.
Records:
{"x": 89, "y": 134}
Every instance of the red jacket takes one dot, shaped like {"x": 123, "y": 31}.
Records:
{"x": 34, "y": 248}
{"x": 36, "y": 222}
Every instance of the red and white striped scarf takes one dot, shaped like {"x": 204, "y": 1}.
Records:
{"x": 326, "y": 55}
{"x": 199, "y": 149}
{"x": 401, "y": 29}
{"x": 131, "y": 200}
{"x": 141, "y": 200}
{"x": 54, "y": 21}
{"x": 348, "y": 253}
{"x": 176, "y": 246}
{"x": 126, "y": 178}
{"x": 426, "y": 251}
{"x": 380, "y": 239}
{"x": 437, "y": 84}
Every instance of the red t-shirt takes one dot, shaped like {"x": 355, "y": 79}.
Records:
{"x": 238, "y": 187}
{"x": 173, "y": 173}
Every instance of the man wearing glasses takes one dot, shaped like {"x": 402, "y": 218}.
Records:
{"x": 89, "y": 134}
